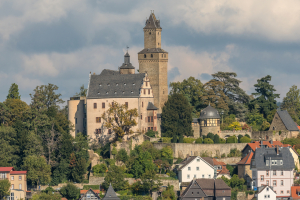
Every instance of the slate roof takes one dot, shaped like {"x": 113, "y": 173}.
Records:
{"x": 195, "y": 120}
{"x": 127, "y": 64}
{"x": 287, "y": 120}
{"x": 152, "y": 50}
{"x": 207, "y": 185}
{"x": 262, "y": 154}
{"x": 222, "y": 189}
{"x": 208, "y": 160}
{"x": 152, "y": 22}
{"x": 112, "y": 84}
{"x": 189, "y": 159}
{"x": 110, "y": 194}
{"x": 209, "y": 113}
{"x": 193, "y": 190}
{"x": 151, "y": 106}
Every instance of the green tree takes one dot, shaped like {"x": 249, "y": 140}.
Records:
{"x": 176, "y": 118}
{"x": 150, "y": 181}
{"x": 245, "y": 139}
{"x": 216, "y": 139}
{"x": 13, "y": 92}
{"x": 4, "y": 188}
{"x": 8, "y": 148}
{"x": 198, "y": 140}
{"x": 115, "y": 177}
{"x": 192, "y": 89}
{"x": 232, "y": 139}
{"x": 211, "y": 136}
{"x": 235, "y": 126}
{"x": 291, "y": 103}
{"x": 120, "y": 119}
{"x": 188, "y": 140}
{"x": 208, "y": 141}
{"x": 70, "y": 191}
{"x": 167, "y": 153}
{"x": 122, "y": 155}
{"x": 17, "y": 110}
{"x": 151, "y": 133}
{"x": 45, "y": 196}
{"x": 99, "y": 169}
{"x": 38, "y": 170}
{"x": 82, "y": 92}
{"x": 265, "y": 96}
{"x": 169, "y": 193}
{"x": 256, "y": 119}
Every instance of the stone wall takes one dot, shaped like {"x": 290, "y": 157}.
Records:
{"x": 95, "y": 180}
{"x": 213, "y": 150}
{"x": 226, "y": 134}
{"x": 78, "y": 185}
{"x": 273, "y": 135}
{"x": 229, "y": 160}
{"x": 175, "y": 183}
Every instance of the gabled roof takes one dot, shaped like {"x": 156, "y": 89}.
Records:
{"x": 246, "y": 160}
{"x": 189, "y": 159}
{"x": 194, "y": 186}
{"x": 152, "y": 22}
{"x": 222, "y": 189}
{"x": 151, "y": 106}
{"x": 257, "y": 144}
{"x": 262, "y": 188}
{"x": 287, "y": 120}
{"x": 112, "y": 84}
{"x": 6, "y": 169}
{"x": 208, "y": 160}
{"x": 218, "y": 162}
{"x": 110, "y": 194}
{"x": 294, "y": 191}
{"x": 207, "y": 185}
{"x": 95, "y": 192}
{"x": 85, "y": 191}
{"x": 18, "y": 172}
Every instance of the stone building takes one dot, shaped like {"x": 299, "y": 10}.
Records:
{"x": 282, "y": 121}
{"x": 208, "y": 122}
{"x": 146, "y": 91}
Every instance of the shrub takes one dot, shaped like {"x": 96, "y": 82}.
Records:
{"x": 245, "y": 139}
{"x": 231, "y": 139}
{"x": 223, "y": 155}
{"x": 188, "y": 140}
{"x": 208, "y": 141}
{"x": 199, "y": 140}
{"x": 151, "y": 133}
{"x": 247, "y": 135}
{"x": 210, "y": 135}
{"x": 166, "y": 139}
{"x": 222, "y": 141}
{"x": 98, "y": 169}
{"x": 114, "y": 151}
{"x": 179, "y": 160}
{"x": 234, "y": 153}
{"x": 122, "y": 155}
{"x": 216, "y": 139}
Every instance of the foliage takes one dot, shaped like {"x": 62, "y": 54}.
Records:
{"x": 93, "y": 187}
{"x": 4, "y": 188}
{"x": 188, "y": 140}
{"x": 48, "y": 190}
{"x": 265, "y": 96}
{"x": 245, "y": 139}
{"x": 82, "y": 92}
{"x": 210, "y": 135}
{"x": 151, "y": 133}
{"x": 198, "y": 140}
{"x": 45, "y": 196}
{"x": 234, "y": 153}
{"x": 120, "y": 119}
{"x": 122, "y": 155}
{"x": 235, "y": 126}
{"x": 222, "y": 141}
{"x": 150, "y": 181}
{"x": 70, "y": 191}
{"x": 232, "y": 139}
{"x": 166, "y": 139}
{"x": 38, "y": 170}
{"x": 176, "y": 118}
{"x": 291, "y": 141}
{"x": 192, "y": 89}
{"x": 169, "y": 193}
{"x": 291, "y": 103}
{"x": 208, "y": 141}
{"x": 216, "y": 139}
{"x": 115, "y": 176}
{"x": 13, "y": 92}
{"x": 98, "y": 169}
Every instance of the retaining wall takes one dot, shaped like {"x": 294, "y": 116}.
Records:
{"x": 229, "y": 160}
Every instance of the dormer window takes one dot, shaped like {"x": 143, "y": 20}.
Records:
{"x": 108, "y": 84}
{"x": 133, "y": 83}
{"x": 100, "y": 85}
{"x": 198, "y": 159}
{"x": 124, "y": 83}
{"x": 281, "y": 162}
{"x": 123, "y": 92}
{"x": 117, "y": 84}
{"x": 131, "y": 92}
{"x": 115, "y": 92}
{"x": 106, "y": 92}
{"x": 98, "y": 92}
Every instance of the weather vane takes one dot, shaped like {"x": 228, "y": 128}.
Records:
{"x": 127, "y": 48}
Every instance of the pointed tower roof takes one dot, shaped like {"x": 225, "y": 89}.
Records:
{"x": 110, "y": 194}
{"x": 152, "y": 22}
{"x": 127, "y": 64}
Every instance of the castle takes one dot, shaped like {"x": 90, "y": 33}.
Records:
{"x": 146, "y": 91}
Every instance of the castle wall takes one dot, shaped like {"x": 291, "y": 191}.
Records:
{"x": 76, "y": 115}
{"x": 277, "y": 124}
{"x": 226, "y": 134}
{"x": 152, "y": 38}
{"x": 204, "y": 130}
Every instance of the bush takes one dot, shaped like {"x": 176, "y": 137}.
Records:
{"x": 110, "y": 162}
{"x": 179, "y": 160}
{"x": 223, "y": 155}
{"x": 93, "y": 187}
{"x": 166, "y": 139}
{"x": 247, "y": 136}
{"x": 188, "y": 140}
{"x": 122, "y": 155}
{"x": 198, "y": 140}
{"x": 222, "y": 141}
{"x": 151, "y": 133}
{"x": 98, "y": 169}
{"x": 70, "y": 191}
{"x": 234, "y": 153}
{"x": 210, "y": 135}
{"x": 208, "y": 141}
{"x": 245, "y": 139}
{"x": 231, "y": 139}
{"x": 128, "y": 175}
{"x": 216, "y": 139}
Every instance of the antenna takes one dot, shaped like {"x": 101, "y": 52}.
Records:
{"x": 127, "y": 48}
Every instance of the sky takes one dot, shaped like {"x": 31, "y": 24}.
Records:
{"x": 61, "y": 42}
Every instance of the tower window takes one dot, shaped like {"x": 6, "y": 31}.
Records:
{"x": 158, "y": 44}
{"x": 142, "y": 104}
{"x": 151, "y": 55}
{"x": 144, "y": 57}
{"x": 149, "y": 33}
{"x": 157, "y": 33}
{"x": 162, "y": 55}
{"x": 165, "y": 55}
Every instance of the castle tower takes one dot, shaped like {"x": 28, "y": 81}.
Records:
{"x": 154, "y": 61}
{"x": 127, "y": 67}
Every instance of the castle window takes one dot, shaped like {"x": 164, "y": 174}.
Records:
{"x": 151, "y": 55}
{"x": 95, "y": 105}
{"x": 141, "y": 116}
{"x": 146, "y": 83}
{"x": 165, "y": 55}
{"x": 144, "y": 91}
{"x": 142, "y": 104}
{"x": 157, "y": 33}
{"x": 103, "y": 105}
{"x": 158, "y": 44}
{"x": 117, "y": 84}
{"x": 98, "y": 119}
{"x": 148, "y": 91}
{"x": 149, "y": 33}
{"x": 145, "y": 55}
{"x": 162, "y": 55}
{"x": 126, "y": 104}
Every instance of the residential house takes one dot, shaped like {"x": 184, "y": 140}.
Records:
{"x": 89, "y": 194}
{"x": 221, "y": 169}
{"x": 110, "y": 194}
{"x": 295, "y": 192}
{"x": 195, "y": 167}
{"x": 206, "y": 189}
{"x": 273, "y": 167}
{"x": 265, "y": 192}
{"x": 282, "y": 121}
{"x": 17, "y": 180}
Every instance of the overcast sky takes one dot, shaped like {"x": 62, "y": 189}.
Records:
{"x": 62, "y": 41}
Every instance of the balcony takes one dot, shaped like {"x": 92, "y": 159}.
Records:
{"x": 3, "y": 178}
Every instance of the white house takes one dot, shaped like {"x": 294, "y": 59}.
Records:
{"x": 195, "y": 167}
{"x": 265, "y": 192}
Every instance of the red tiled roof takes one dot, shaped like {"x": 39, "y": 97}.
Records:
{"x": 64, "y": 198}
{"x": 256, "y": 144}
{"x": 246, "y": 160}
{"x": 218, "y": 162}
{"x": 85, "y": 191}
{"x": 6, "y": 169}
{"x": 18, "y": 172}
{"x": 224, "y": 171}
{"x": 294, "y": 192}
{"x": 298, "y": 127}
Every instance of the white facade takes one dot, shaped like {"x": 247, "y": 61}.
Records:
{"x": 197, "y": 168}
{"x": 266, "y": 194}
{"x": 280, "y": 180}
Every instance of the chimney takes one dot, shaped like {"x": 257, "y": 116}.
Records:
{"x": 277, "y": 150}
{"x": 261, "y": 144}
{"x": 271, "y": 141}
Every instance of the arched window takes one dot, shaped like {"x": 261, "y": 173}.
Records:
{"x": 145, "y": 55}
{"x": 149, "y": 33}
{"x": 151, "y": 55}
{"x": 142, "y": 104}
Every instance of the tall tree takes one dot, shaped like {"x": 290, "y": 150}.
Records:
{"x": 13, "y": 92}
{"x": 70, "y": 191}
{"x": 177, "y": 118}
{"x": 291, "y": 103}
{"x": 120, "y": 119}
{"x": 4, "y": 188}
{"x": 265, "y": 96}
{"x": 116, "y": 177}
{"x": 82, "y": 92}
{"x": 150, "y": 181}
{"x": 192, "y": 89}
{"x": 8, "y": 147}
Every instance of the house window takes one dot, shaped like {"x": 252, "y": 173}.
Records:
{"x": 95, "y": 105}
{"x": 109, "y": 131}
{"x": 274, "y": 183}
{"x": 126, "y": 104}
{"x": 20, "y": 178}
{"x": 274, "y": 172}
{"x": 98, "y": 119}
{"x": 12, "y": 186}
{"x": 281, "y": 192}
{"x": 267, "y": 184}
{"x": 265, "y": 196}
{"x": 195, "y": 176}
{"x": 198, "y": 159}
{"x": 145, "y": 56}
{"x": 103, "y": 105}
{"x": 12, "y": 178}
{"x": 188, "y": 176}
{"x": 151, "y": 118}
{"x": 281, "y": 182}
{"x": 209, "y": 176}
{"x": 287, "y": 191}
{"x": 197, "y": 168}
{"x": 151, "y": 55}
{"x": 267, "y": 189}
{"x": 98, "y": 131}
{"x": 20, "y": 186}
{"x": 267, "y": 172}
{"x": 203, "y": 176}
{"x": 262, "y": 178}
{"x": 189, "y": 168}
{"x": 148, "y": 119}
{"x": 281, "y": 173}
